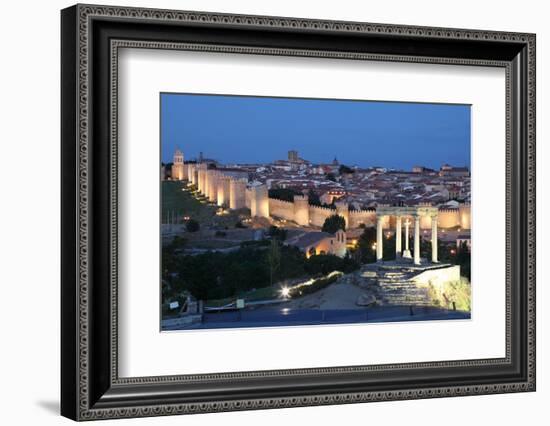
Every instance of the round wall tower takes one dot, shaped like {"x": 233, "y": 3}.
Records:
{"x": 237, "y": 193}
{"x": 223, "y": 191}
{"x": 465, "y": 216}
{"x": 342, "y": 209}
{"x": 301, "y": 210}
{"x": 259, "y": 203}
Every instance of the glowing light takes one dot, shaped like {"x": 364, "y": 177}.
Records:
{"x": 285, "y": 292}
{"x": 453, "y": 251}
{"x": 373, "y": 246}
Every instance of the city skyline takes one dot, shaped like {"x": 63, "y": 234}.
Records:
{"x": 260, "y": 130}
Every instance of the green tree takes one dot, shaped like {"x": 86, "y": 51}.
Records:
{"x": 277, "y": 233}
{"x": 313, "y": 198}
{"x": 463, "y": 259}
{"x": 345, "y": 170}
{"x": 334, "y": 223}
{"x": 285, "y": 194}
{"x": 192, "y": 225}
{"x": 274, "y": 259}
{"x": 322, "y": 264}
{"x": 366, "y": 245}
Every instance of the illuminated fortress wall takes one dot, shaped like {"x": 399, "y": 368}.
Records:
{"x": 301, "y": 210}
{"x": 229, "y": 191}
{"x": 318, "y": 214}
{"x": 233, "y": 193}
{"x": 364, "y": 217}
{"x": 281, "y": 209}
{"x": 447, "y": 218}
{"x": 223, "y": 192}
{"x": 237, "y": 193}
{"x": 259, "y": 201}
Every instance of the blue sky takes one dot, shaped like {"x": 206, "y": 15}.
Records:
{"x": 240, "y": 129}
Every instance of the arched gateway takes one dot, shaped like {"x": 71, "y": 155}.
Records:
{"x": 416, "y": 212}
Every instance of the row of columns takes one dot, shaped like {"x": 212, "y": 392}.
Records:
{"x": 398, "y": 246}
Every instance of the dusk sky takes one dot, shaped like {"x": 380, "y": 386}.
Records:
{"x": 239, "y": 129}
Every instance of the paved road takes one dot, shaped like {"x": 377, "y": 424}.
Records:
{"x": 281, "y": 316}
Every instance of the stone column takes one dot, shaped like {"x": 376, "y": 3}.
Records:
{"x": 407, "y": 252}
{"x": 417, "y": 240}
{"x": 398, "y": 236}
{"x": 434, "y": 239}
{"x": 379, "y": 239}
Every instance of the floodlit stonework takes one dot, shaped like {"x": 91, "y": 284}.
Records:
{"x": 224, "y": 188}
{"x": 407, "y": 213}
{"x": 178, "y": 166}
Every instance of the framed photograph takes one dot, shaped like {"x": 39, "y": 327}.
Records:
{"x": 263, "y": 212}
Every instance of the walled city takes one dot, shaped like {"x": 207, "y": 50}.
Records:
{"x": 318, "y": 191}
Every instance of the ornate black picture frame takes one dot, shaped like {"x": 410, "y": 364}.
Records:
{"x": 91, "y": 387}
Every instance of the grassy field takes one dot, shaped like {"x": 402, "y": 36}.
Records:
{"x": 248, "y": 296}
{"x": 182, "y": 203}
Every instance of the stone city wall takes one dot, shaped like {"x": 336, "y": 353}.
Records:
{"x": 364, "y": 217}
{"x": 318, "y": 214}
{"x": 232, "y": 192}
{"x": 237, "y": 194}
{"x": 259, "y": 201}
{"x": 281, "y": 209}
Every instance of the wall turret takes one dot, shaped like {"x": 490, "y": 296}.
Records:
{"x": 259, "y": 202}
{"x": 223, "y": 191}
{"x": 301, "y": 210}
{"x": 192, "y": 173}
{"x": 342, "y": 209}
{"x": 213, "y": 176}
{"x": 237, "y": 193}
{"x": 465, "y": 215}
{"x": 201, "y": 177}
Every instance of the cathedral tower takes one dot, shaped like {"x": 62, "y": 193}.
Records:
{"x": 178, "y": 166}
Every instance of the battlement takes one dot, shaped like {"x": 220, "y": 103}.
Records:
{"x": 236, "y": 179}
{"x": 322, "y": 208}
{"x": 370, "y": 210}
{"x": 278, "y": 200}
{"x": 233, "y": 190}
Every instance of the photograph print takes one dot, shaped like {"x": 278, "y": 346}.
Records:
{"x": 307, "y": 212}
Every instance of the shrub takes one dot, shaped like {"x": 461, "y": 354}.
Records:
{"x": 334, "y": 223}
{"x": 192, "y": 225}
{"x": 316, "y": 285}
{"x": 277, "y": 233}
